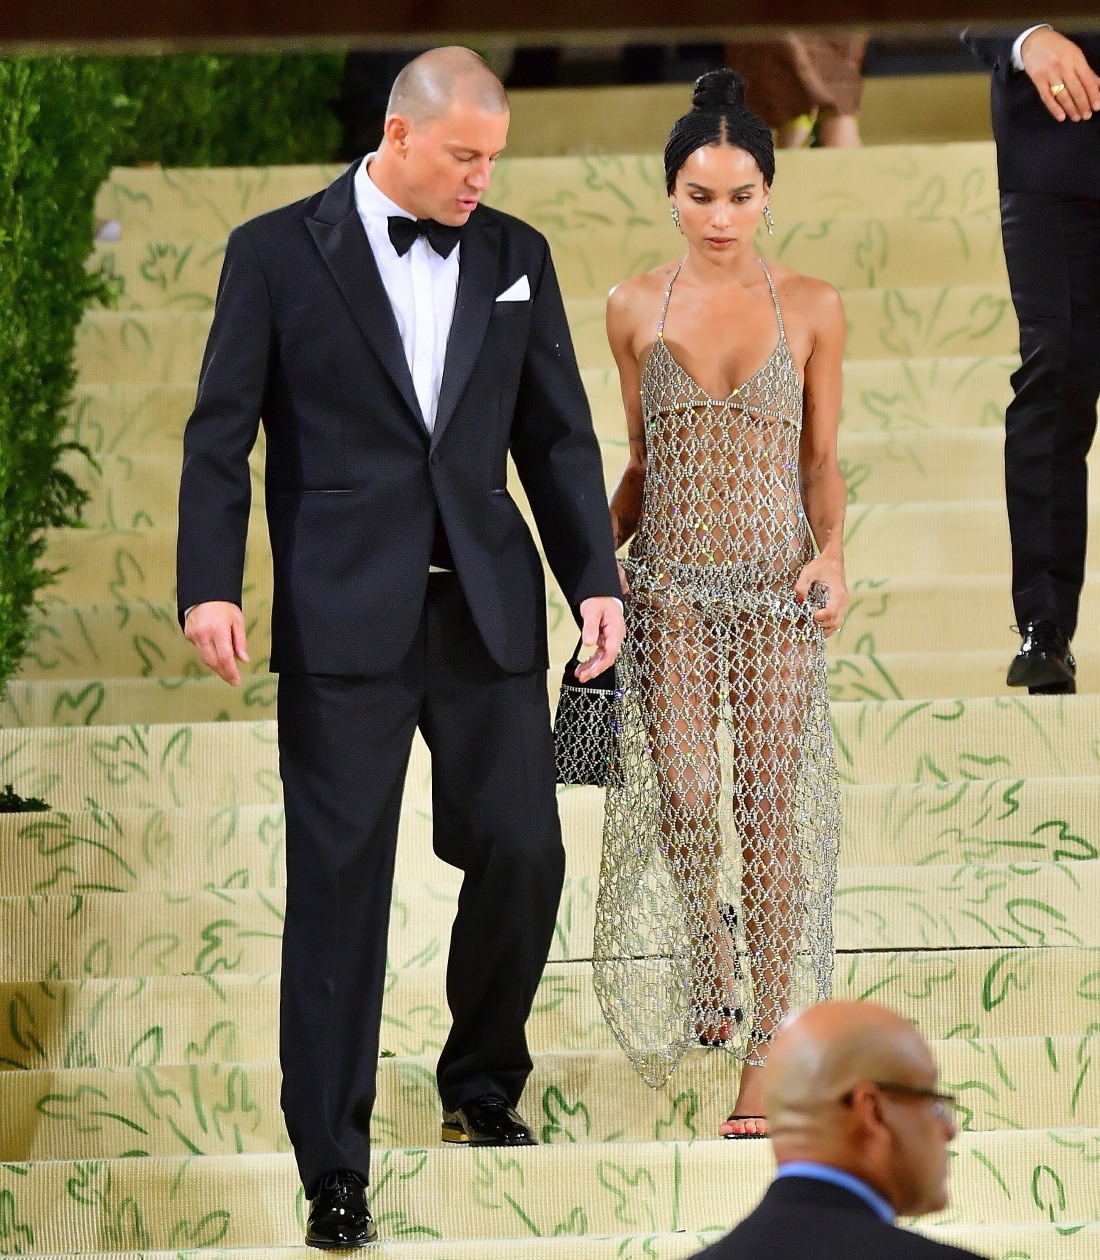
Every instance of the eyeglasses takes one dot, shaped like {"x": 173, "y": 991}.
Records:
{"x": 944, "y": 1106}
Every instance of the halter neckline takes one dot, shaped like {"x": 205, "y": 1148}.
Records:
{"x": 780, "y": 344}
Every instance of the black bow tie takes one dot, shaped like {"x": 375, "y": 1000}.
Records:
{"x": 403, "y": 233}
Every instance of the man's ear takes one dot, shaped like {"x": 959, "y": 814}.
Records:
{"x": 866, "y": 1108}
{"x": 396, "y": 130}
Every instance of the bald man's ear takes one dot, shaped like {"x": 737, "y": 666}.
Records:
{"x": 396, "y": 132}
{"x": 866, "y": 1107}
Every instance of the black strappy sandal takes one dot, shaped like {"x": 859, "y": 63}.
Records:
{"x": 731, "y": 1016}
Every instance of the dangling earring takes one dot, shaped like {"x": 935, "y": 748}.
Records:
{"x": 769, "y": 222}
{"x": 675, "y": 212}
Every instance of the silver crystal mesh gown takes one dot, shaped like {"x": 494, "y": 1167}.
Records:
{"x": 714, "y": 913}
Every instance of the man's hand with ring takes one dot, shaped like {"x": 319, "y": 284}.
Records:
{"x": 1052, "y": 61}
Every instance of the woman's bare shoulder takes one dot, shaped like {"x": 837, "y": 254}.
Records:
{"x": 804, "y": 290}
{"x": 806, "y": 297}
{"x": 638, "y": 292}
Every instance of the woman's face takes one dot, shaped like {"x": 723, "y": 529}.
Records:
{"x": 721, "y": 195}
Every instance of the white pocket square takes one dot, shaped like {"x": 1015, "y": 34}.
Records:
{"x": 518, "y": 292}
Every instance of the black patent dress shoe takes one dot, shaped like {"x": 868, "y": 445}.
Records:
{"x": 486, "y": 1121}
{"x": 339, "y": 1219}
{"x": 1043, "y": 664}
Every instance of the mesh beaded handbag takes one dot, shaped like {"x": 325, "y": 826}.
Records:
{"x": 586, "y": 729}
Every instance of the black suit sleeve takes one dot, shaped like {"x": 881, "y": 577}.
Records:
{"x": 557, "y": 455}
{"x": 993, "y": 50}
{"x": 216, "y": 488}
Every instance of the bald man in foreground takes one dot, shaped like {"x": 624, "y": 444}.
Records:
{"x": 398, "y": 340}
{"x": 860, "y": 1134}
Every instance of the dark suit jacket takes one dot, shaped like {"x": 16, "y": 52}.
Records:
{"x": 1035, "y": 152}
{"x": 803, "y": 1219}
{"x": 305, "y": 339}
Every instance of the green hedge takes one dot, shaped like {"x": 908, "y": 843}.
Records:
{"x": 64, "y": 122}
{"x": 60, "y": 121}
{"x": 207, "y": 110}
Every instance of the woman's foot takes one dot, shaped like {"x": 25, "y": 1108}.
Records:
{"x": 742, "y": 1126}
{"x": 747, "y": 1119}
{"x": 718, "y": 1026}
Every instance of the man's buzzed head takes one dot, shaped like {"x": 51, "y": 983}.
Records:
{"x": 431, "y": 83}
{"x": 825, "y": 1050}
{"x": 827, "y": 1098}
{"x": 447, "y": 125}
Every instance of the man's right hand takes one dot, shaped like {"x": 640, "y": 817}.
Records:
{"x": 216, "y": 628}
{"x": 1050, "y": 59}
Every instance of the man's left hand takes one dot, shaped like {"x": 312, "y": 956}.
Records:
{"x": 1051, "y": 60}
{"x": 604, "y": 630}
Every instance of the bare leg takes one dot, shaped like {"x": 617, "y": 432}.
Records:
{"x": 770, "y": 686}
{"x": 680, "y": 694}
{"x": 838, "y": 131}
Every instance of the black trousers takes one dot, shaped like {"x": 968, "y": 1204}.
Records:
{"x": 344, "y": 747}
{"x": 1052, "y": 247}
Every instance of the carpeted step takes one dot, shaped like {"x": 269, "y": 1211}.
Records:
{"x": 236, "y": 763}
{"x": 853, "y": 676}
{"x": 103, "y": 640}
{"x": 112, "y": 701}
{"x": 924, "y": 182}
{"x": 863, "y": 674}
{"x": 133, "y": 850}
{"x": 142, "y": 491}
{"x": 165, "y": 346}
{"x": 213, "y": 1107}
{"x": 911, "y": 395}
{"x": 255, "y": 1200}
{"x": 240, "y": 929}
{"x": 90, "y": 1022}
{"x": 670, "y": 1246}
{"x": 942, "y": 615}
{"x": 881, "y": 540}
{"x": 182, "y": 273}
{"x": 1066, "y": 1241}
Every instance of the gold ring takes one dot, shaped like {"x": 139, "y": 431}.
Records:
{"x": 1055, "y": 88}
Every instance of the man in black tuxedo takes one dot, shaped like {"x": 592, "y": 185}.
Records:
{"x": 1046, "y": 120}
{"x": 860, "y": 1135}
{"x": 398, "y": 340}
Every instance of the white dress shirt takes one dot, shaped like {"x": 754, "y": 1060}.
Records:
{"x": 422, "y": 288}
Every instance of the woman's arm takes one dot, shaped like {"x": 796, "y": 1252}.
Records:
{"x": 824, "y": 493}
{"x": 626, "y": 499}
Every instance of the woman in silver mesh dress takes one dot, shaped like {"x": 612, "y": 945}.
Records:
{"x": 720, "y": 840}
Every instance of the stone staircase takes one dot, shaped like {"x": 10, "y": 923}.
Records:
{"x": 138, "y": 986}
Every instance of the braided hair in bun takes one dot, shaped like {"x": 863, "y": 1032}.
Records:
{"x": 718, "y": 116}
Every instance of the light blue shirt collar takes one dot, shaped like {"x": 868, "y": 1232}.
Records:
{"x": 838, "y": 1177}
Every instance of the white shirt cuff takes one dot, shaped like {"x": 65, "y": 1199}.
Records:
{"x": 1017, "y": 59}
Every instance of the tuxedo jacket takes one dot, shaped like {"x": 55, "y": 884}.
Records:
{"x": 1035, "y": 152}
{"x": 801, "y": 1218}
{"x": 305, "y": 340}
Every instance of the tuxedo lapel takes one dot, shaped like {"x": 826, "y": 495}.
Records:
{"x": 477, "y": 276}
{"x": 342, "y": 240}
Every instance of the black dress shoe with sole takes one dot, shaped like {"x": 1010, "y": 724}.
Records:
{"x": 486, "y": 1121}
{"x": 1044, "y": 664}
{"x": 339, "y": 1219}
